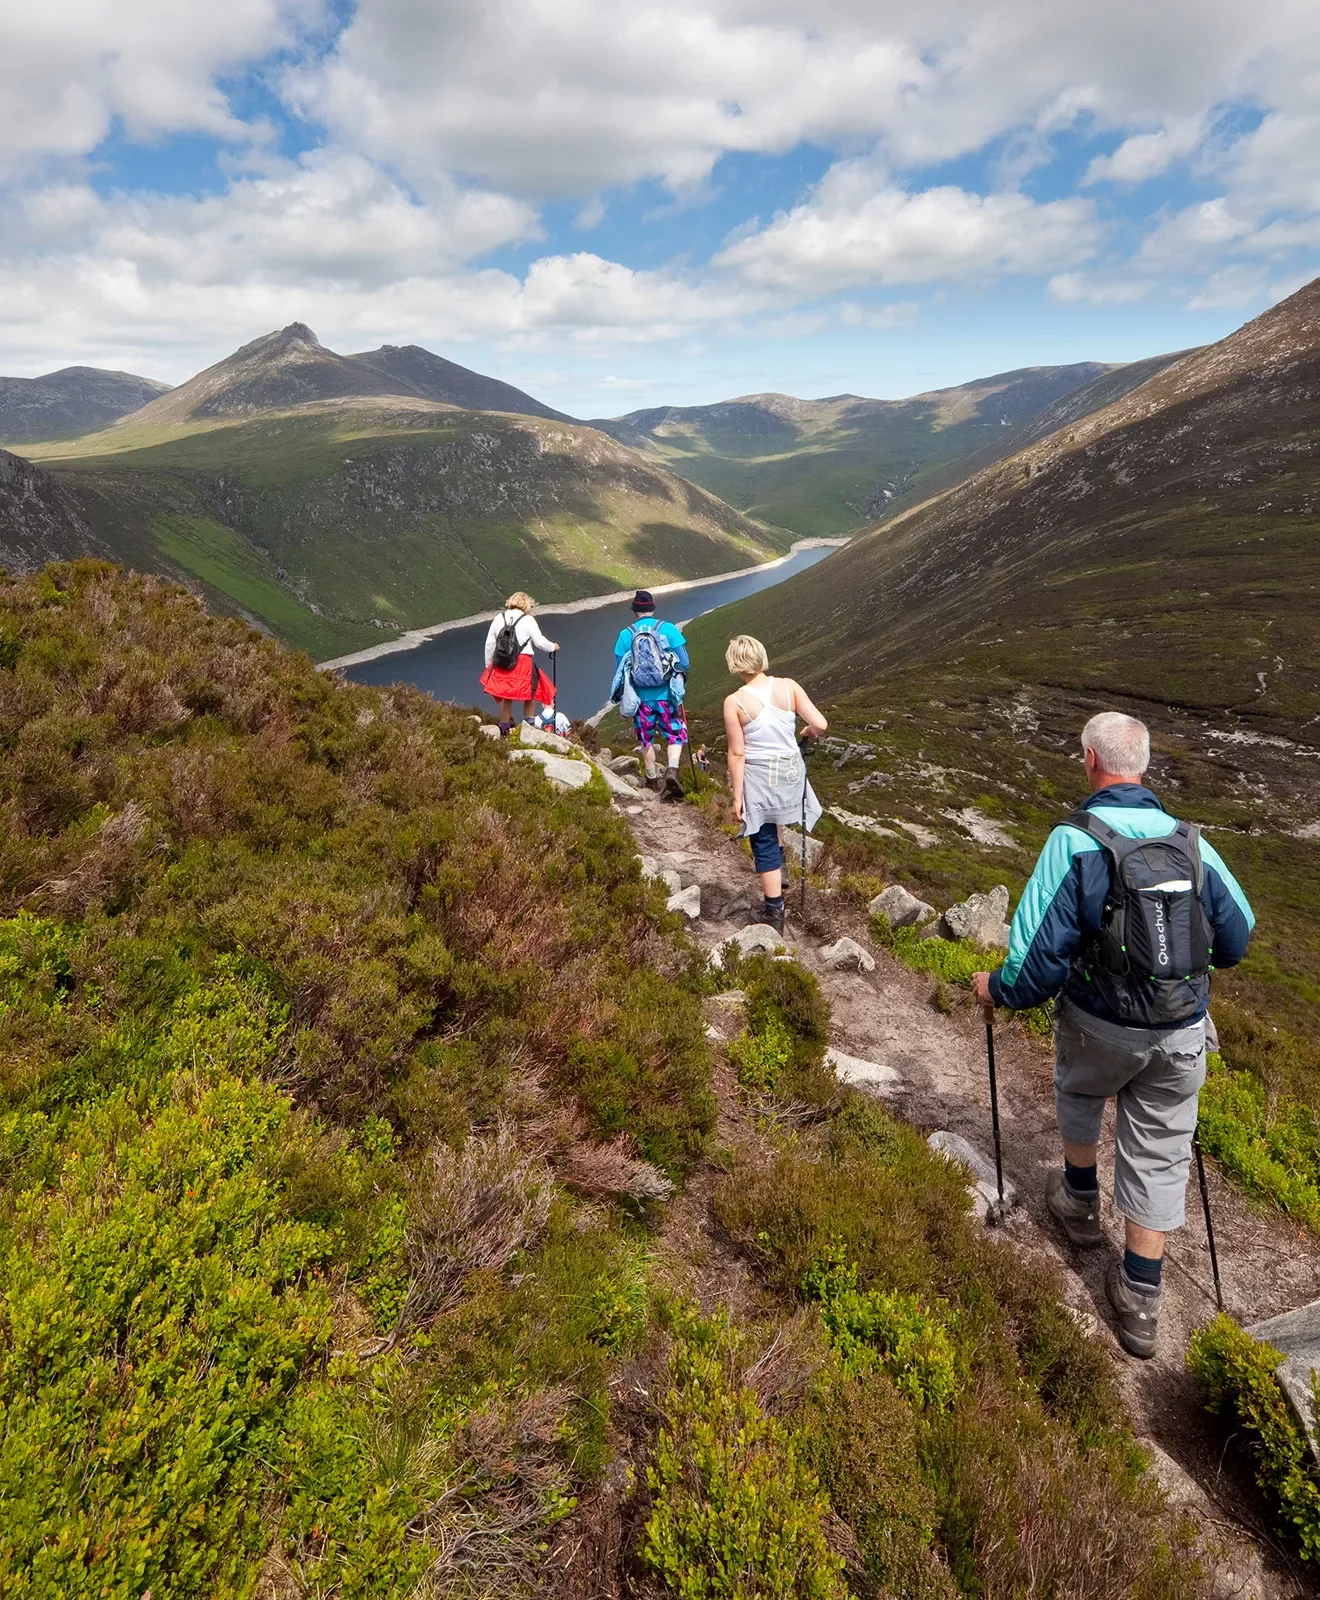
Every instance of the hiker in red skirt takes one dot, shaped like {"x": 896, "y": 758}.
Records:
{"x": 511, "y": 670}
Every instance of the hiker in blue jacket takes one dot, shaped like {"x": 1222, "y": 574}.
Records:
{"x": 649, "y": 684}
{"x": 1121, "y": 887}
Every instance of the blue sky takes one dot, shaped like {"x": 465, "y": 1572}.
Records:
{"x": 619, "y": 205}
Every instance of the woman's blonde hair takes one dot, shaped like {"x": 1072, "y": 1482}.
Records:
{"x": 745, "y": 655}
{"x": 520, "y": 602}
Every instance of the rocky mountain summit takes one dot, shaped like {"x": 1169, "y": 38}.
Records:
{"x": 292, "y": 367}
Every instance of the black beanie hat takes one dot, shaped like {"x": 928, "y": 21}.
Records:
{"x": 642, "y": 601}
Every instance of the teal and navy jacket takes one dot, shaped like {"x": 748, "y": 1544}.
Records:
{"x": 1063, "y": 904}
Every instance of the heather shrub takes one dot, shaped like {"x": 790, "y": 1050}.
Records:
{"x": 1238, "y": 1373}
{"x": 293, "y": 977}
{"x": 1266, "y": 1140}
{"x": 736, "y": 1509}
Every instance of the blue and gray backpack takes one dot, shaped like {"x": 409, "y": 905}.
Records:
{"x": 651, "y": 662}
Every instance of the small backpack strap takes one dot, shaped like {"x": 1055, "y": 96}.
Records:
{"x": 1191, "y": 831}
{"x": 1087, "y": 822}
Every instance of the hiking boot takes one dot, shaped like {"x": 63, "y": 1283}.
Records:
{"x": 1138, "y": 1310}
{"x": 673, "y": 786}
{"x": 1079, "y": 1214}
{"x": 652, "y": 781}
{"x": 772, "y": 917}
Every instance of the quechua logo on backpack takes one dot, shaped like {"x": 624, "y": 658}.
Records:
{"x": 1150, "y": 961}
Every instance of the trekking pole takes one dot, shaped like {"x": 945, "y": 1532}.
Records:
{"x": 994, "y": 1109}
{"x": 1209, "y": 1226}
{"x": 802, "y": 747}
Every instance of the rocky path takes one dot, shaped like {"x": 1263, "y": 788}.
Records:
{"x": 937, "y": 1080}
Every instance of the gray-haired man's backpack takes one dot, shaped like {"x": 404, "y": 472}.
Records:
{"x": 1150, "y": 961}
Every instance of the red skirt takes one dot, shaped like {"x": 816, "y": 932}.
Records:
{"x": 526, "y": 681}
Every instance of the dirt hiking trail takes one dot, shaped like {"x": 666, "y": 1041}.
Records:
{"x": 886, "y": 1017}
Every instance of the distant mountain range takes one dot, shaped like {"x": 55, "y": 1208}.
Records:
{"x": 828, "y": 467}
{"x": 338, "y": 499}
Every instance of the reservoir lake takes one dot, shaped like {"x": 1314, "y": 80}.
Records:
{"x": 447, "y": 667}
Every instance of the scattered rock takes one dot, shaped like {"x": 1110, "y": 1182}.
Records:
{"x": 985, "y": 1191}
{"x": 793, "y": 848}
{"x": 745, "y": 903}
{"x": 846, "y": 955}
{"x": 924, "y": 837}
{"x": 982, "y": 828}
{"x": 620, "y": 764}
{"x": 490, "y": 730}
{"x": 901, "y": 907}
{"x": 562, "y": 772}
{"x": 604, "y": 756}
{"x": 544, "y": 739}
{"x": 616, "y": 785}
{"x": 1297, "y": 1335}
{"x": 688, "y": 901}
{"x": 759, "y": 936}
{"x": 865, "y": 1074}
{"x": 939, "y": 929}
{"x": 648, "y": 866}
{"x": 979, "y": 917}
{"x": 854, "y": 819}
{"x": 670, "y": 879}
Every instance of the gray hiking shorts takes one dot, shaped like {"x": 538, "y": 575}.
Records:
{"x": 1155, "y": 1075}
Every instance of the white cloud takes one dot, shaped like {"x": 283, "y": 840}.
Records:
{"x": 857, "y": 227}
{"x": 68, "y": 70}
{"x": 1147, "y": 155}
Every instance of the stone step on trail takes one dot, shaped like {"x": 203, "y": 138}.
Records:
{"x": 869, "y": 1075}
{"x": 984, "y": 1191}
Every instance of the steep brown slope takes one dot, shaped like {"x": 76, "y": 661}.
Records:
{"x": 1155, "y": 542}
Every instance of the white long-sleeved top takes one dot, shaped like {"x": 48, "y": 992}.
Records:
{"x": 529, "y": 635}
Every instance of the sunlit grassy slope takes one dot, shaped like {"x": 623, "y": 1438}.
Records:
{"x": 1162, "y": 558}
{"x": 343, "y": 522}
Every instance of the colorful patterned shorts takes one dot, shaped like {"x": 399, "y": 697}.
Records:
{"x": 665, "y": 717}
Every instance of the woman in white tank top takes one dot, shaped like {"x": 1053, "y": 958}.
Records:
{"x": 766, "y": 771}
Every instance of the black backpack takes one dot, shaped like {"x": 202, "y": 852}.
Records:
{"x": 1150, "y": 961}
{"x": 507, "y": 647}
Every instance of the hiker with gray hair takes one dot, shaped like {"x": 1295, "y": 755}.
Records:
{"x": 1125, "y": 915}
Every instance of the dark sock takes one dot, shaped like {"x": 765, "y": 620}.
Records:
{"x": 506, "y": 728}
{"x": 777, "y": 904}
{"x": 1081, "y": 1180}
{"x": 1144, "y": 1271}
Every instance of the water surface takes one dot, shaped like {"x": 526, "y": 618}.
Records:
{"x": 448, "y": 666}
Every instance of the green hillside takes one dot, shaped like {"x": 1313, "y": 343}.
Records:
{"x": 1162, "y": 556}
{"x": 346, "y": 1071}
{"x": 825, "y": 467}
{"x": 343, "y": 522}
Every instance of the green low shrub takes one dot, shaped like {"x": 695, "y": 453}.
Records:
{"x": 1267, "y": 1142}
{"x": 737, "y": 1510}
{"x": 1239, "y": 1375}
{"x": 761, "y": 1056}
{"x": 896, "y": 1331}
{"x": 953, "y": 960}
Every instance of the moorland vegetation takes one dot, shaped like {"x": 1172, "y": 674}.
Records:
{"x": 345, "y": 1070}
